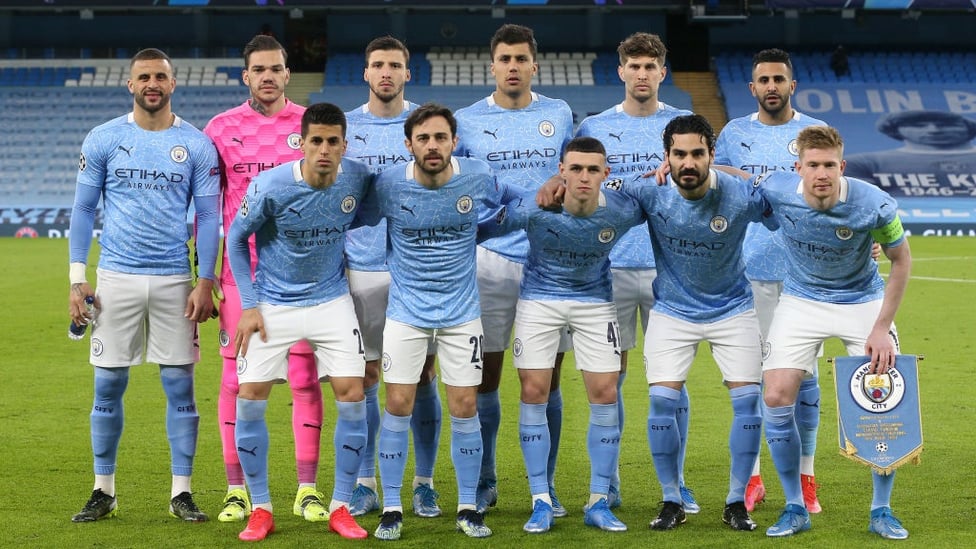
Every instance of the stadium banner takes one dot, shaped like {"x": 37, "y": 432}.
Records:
{"x": 921, "y": 5}
{"x": 878, "y": 415}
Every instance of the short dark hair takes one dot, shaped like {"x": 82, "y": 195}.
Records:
{"x": 584, "y": 144}
{"x": 890, "y": 123}
{"x": 150, "y": 54}
{"x": 772, "y": 55}
{"x": 514, "y": 34}
{"x": 323, "y": 113}
{"x": 691, "y": 123}
{"x": 385, "y": 43}
{"x": 642, "y": 44}
{"x": 263, "y": 42}
{"x": 424, "y": 113}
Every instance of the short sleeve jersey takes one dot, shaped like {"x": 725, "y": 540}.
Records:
{"x": 751, "y": 146}
{"x": 522, "y": 146}
{"x": 634, "y": 147}
{"x": 829, "y": 252}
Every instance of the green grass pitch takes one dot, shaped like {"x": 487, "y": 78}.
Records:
{"x": 47, "y": 472}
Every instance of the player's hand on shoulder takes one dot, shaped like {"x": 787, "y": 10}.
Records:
{"x": 550, "y": 194}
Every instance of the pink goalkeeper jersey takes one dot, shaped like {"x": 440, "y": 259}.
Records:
{"x": 249, "y": 143}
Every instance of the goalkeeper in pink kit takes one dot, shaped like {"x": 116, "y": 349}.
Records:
{"x": 260, "y": 134}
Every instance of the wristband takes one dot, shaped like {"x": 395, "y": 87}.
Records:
{"x": 76, "y": 273}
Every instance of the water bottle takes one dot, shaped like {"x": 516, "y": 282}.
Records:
{"x": 77, "y": 331}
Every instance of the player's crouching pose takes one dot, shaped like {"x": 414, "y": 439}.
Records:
{"x": 432, "y": 208}
{"x": 832, "y": 289}
{"x": 566, "y": 284}
{"x": 299, "y": 213}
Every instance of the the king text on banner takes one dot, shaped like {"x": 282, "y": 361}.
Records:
{"x": 878, "y": 415}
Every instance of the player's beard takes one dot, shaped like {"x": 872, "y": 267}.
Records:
{"x": 386, "y": 97}
{"x": 150, "y": 107}
{"x": 424, "y": 167}
{"x": 690, "y": 185}
{"x": 773, "y": 111}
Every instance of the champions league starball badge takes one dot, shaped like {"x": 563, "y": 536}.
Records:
{"x": 878, "y": 415}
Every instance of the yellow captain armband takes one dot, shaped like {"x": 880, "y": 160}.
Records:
{"x": 76, "y": 273}
{"x": 892, "y": 232}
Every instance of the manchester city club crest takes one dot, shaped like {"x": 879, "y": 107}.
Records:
{"x": 294, "y": 141}
{"x": 879, "y": 419}
{"x": 348, "y": 204}
{"x": 517, "y": 347}
{"x": 387, "y": 362}
{"x": 844, "y": 233}
{"x": 547, "y": 128}
{"x": 223, "y": 338}
{"x": 792, "y": 148}
{"x": 241, "y": 365}
{"x": 606, "y": 235}
{"x": 97, "y": 348}
{"x": 179, "y": 154}
{"x": 718, "y": 224}
{"x": 464, "y": 204}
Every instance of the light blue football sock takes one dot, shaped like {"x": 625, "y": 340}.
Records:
{"x": 393, "y": 447}
{"x": 182, "y": 419}
{"x": 664, "y": 439}
{"x": 490, "y": 413}
{"x": 349, "y": 441}
{"x": 107, "y": 417}
{"x": 745, "y": 436}
{"x": 882, "y": 488}
{"x": 251, "y": 437}
{"x": 534, "y": 440}
{"x": 682, "y": 415}
{"x": 808, "y": 415}
{"x": 466, "y": 456}
{"x": 367, "y": 467}
{"x": 603, "y": 446}
{"x": 426, "y": 427}
{"x": 554, "y": 414}
{"x": 784, "y": 447}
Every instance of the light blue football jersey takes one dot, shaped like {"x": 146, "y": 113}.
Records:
{"x": 635, "y": 146}
{"x": 432, "y": 233}
{"x": 378, "y": 143}
{"x": 147, "y": 180}
{"x": 569, "y": 256}
{"x": 757, "y": 148}
{"x": 698, "y": 246}
{"x": 299, "y": 233}
{"x": 522, "y": 146}
{"x": 829, "y": 252}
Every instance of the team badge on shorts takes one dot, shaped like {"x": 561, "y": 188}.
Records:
{"x": 223, "y": 338}
{"x": 517, "y": 347}
{"x": 179, "y": 154}
{"x": 606, "y": 235}
{"x": 82, "y": 162}
{"x": 241, "y": 365}
{"x": 547, "y": 128}
{"x": 756, "y": 181}
{"x": 765, "y": 350}
{"x": 718, "y": 224}
{"x": 844, "y": 233}
{"x": 97, "y": 348}
{"x": 387, "y": 362}
{"x": 294, "y": 141}
{"x": 792, "y": 148}
{"x": 614, "y": 184}
{"x": 464, "y": 204}
{"x": 348, "y": 204}
{"x": 244, "y": 207}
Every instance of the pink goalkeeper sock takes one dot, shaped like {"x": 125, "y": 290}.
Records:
{"x": 306, "y": 414}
